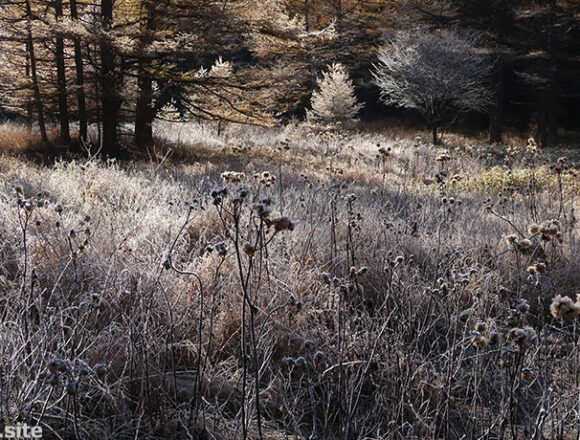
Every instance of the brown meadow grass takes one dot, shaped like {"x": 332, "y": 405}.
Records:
{"x": 403, "y": 293}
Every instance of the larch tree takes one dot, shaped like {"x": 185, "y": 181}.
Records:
{"x": 334, "y": 102}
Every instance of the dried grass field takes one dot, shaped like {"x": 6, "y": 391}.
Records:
{"x": 291, "y": 284}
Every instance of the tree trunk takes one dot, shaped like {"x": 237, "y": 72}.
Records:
{"x": 33, "y": 72}
{"x": 497, "y": 113}
{"x": 80, "y": 79}
{"x": 111, "y": 102}
{"x": 29, "y": 103}
{"x": 144, "y": 113}
{"x": 434, "y": 135}
{"x": 61, "y": 82}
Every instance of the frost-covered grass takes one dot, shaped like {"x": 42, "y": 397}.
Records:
{"x": 398, "y": 305}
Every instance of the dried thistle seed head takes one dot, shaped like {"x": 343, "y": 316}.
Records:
{"x": 362, "y": 271}
{"x": 262, "y": 210}
{"x": 530, "y": 335}
{"x": 300, "y": 362}
{"x": 479, "y": 341}
{"x": 287, "y": 361}
{"x": 19, "y": 190}
{"x": 58, "y": 209}
{"x": 248, "y": 249}
{"x": 494, "y": 338}
{"x": 532, "y": 269}
{"x": 481, "y": 327}
{"x": 524, "y": 244}
{"x": 222, "y": 249}
{"x": 399, "y": 259}
{"x": 463, "y": 317}
{"x": 82, "y": 369}
{"x": 511, "y": 239}
{"x": 541, "y": 267}
{"x": 319, "y": 355}
{"x": 326, "y": 278}
{"x": 517, "y": 334}
{"x": 233, "y": 176}
{"x": 564, "y": 307}
{"x": 282, "y": 223}
{"x": 527, "y": 374}
{"x": 57, "y": 365}
{"x": 523, "y": 307}
{"x": 512, "y": 321}
{"x": 309, "y": 344}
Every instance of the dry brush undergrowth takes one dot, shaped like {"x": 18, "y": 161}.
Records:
{"x": 292, "y": 285}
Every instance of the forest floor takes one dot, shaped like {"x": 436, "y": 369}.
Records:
{"x": 365, "y": 286}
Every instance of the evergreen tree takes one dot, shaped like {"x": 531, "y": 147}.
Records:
{"x": 334, "y": 101}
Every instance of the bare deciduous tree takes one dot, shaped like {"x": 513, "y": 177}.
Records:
{"x": 440, "y": 74}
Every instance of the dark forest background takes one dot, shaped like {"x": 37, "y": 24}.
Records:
{"x": 77, "y": 63}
